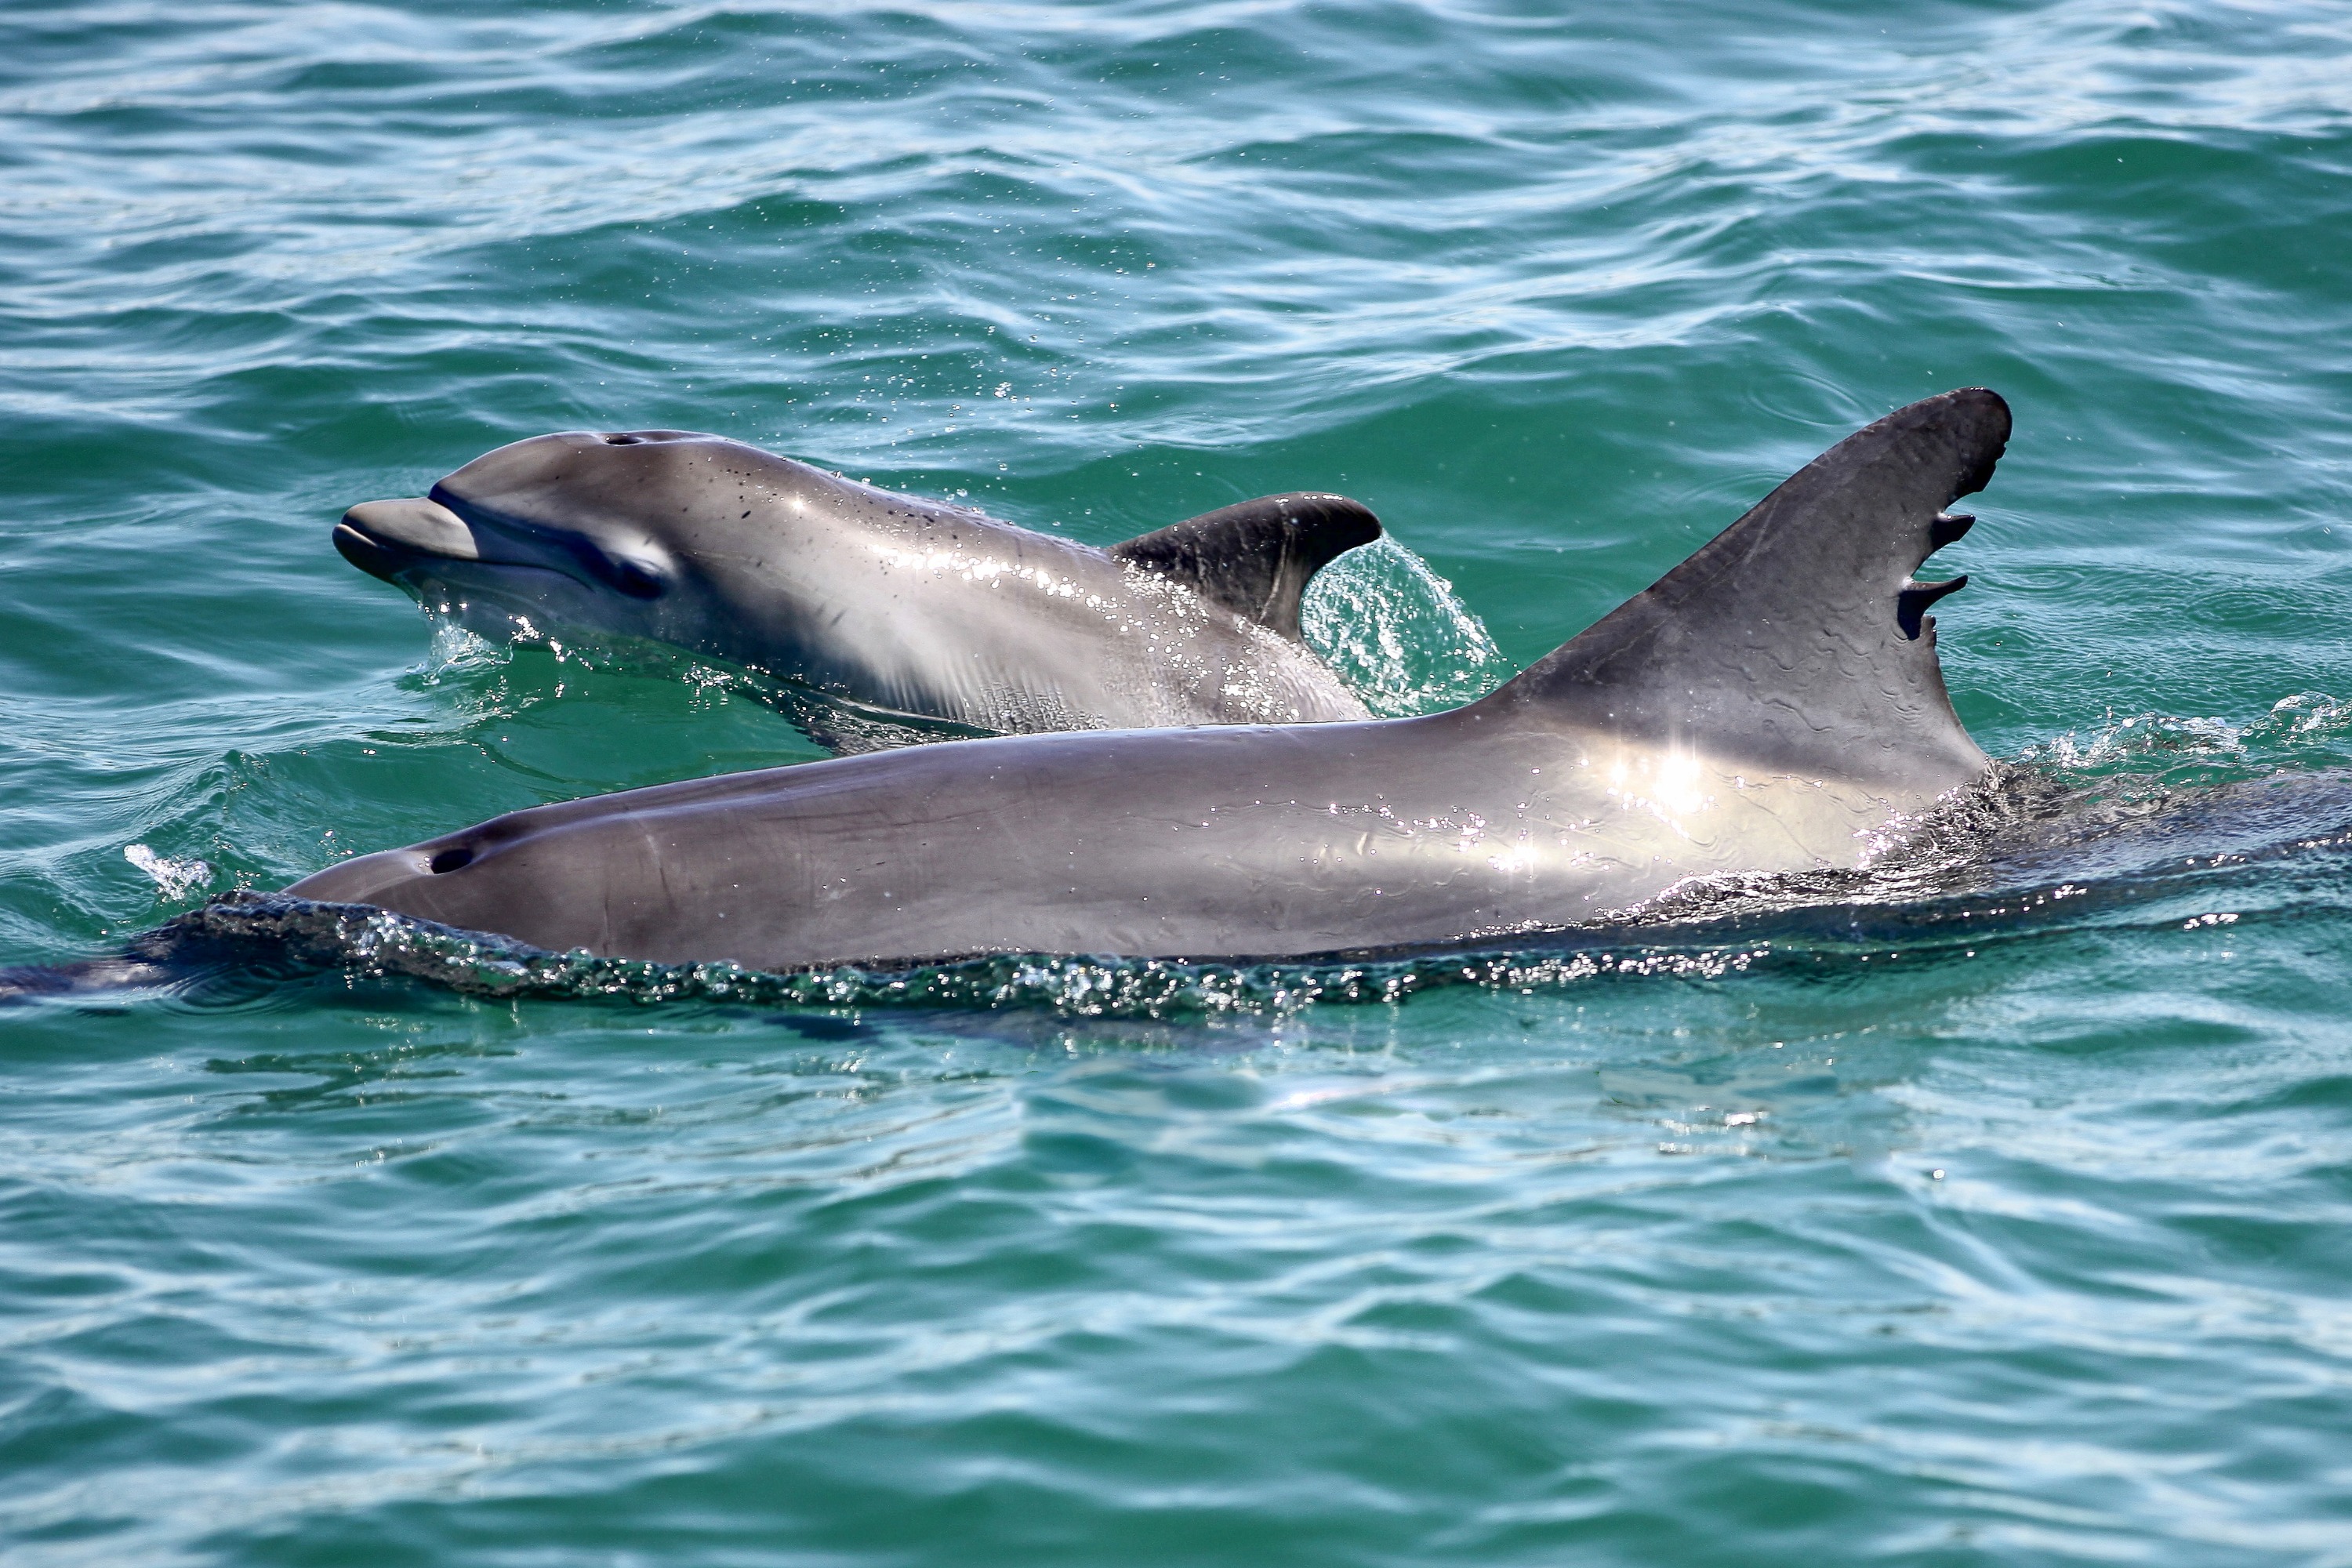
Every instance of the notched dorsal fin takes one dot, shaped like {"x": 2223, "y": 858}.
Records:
{"x": 1911, "y": 603}
{"x": 1256, "y": 557}
{"x": 1796, "y": 640}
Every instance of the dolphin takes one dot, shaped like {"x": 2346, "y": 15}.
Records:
{"x": 1772, "y": 705}
{"x": 886, "y": 604}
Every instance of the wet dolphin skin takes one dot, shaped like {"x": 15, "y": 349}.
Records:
{"x": 1765, "y": 707}
{"x": 887, "y": 602}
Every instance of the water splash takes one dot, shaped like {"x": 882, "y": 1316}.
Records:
{"x": 2306, "y": 731}
{"x": 1397, "y": 633}
{"x": 453, "y": 649}
{"x": 269, "y": 933}
{"x": 174, "y": 879}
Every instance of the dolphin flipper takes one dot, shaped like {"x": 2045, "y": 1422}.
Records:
{"x": 1796, "y": 641}
{"x": 1254, "y": 558}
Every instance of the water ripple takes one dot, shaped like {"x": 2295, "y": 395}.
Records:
{"x": 1985, "y": 1207}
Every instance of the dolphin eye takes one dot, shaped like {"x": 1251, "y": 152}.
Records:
{"x": 628, "y": 576}
{"x": 617, "y": 572}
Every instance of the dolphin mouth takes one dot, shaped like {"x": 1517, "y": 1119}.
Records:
{"x": 384, "y": 537}
{"x": 414, "y": 541}
{"x": 391, "y": 539}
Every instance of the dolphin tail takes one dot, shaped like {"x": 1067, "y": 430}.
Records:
{"x": 240, "y": 931}
{"x": 1796, "y": 640}
{"x": 86, "y": 978}
{"x": 162, "y": 958}
{"x": 1256, "y": 557}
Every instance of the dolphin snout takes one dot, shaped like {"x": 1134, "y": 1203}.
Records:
{"x": 379, "y": 537}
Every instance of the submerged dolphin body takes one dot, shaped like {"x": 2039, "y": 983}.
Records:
{"x": 1771, "y": 705}
{"x": 876, "y": 600}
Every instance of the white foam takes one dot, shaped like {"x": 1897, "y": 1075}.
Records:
{"x": 455, "y": 649}
{"x": 174, "y": 878}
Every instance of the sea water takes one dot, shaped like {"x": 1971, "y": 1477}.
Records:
{"x": 1908, "y": 1226}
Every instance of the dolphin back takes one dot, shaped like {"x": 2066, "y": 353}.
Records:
{"x": 1797, "y": 641}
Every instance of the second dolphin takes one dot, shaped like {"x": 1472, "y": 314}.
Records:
{"x": 883, "y": 606}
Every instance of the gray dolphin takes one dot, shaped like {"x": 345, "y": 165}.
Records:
{"x": 886, "y": 603}
{"x": 1772, "y": 704}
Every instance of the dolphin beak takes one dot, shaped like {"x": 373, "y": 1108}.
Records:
{"x": 380, "y": 537}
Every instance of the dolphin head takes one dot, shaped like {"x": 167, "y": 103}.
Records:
{"x": 634, "y": 533}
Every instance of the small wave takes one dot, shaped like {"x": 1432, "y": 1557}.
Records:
{"x": 269, "y": 933}
{"x": 453, "y": 649}
{"x": 1399, "y": 636}
{"x": 482, "y": 638}
{"x": 174, "y": 878}
{"x": 2302, "y": 731}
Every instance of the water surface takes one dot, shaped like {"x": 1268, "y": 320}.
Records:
{"x": 2008, "y": 1232}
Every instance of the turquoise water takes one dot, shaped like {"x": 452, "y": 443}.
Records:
{"x": 1921, "y": 1228}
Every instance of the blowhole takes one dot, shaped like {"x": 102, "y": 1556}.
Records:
{"x": 622, "y": 438}
{"x": 450, "y": 860}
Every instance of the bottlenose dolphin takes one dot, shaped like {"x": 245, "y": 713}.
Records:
{"x": 904, "y": 608}
{"x": 1773, "y": 704}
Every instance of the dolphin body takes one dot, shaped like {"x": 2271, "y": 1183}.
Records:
{"x": 1773, "y": 704}
{"x": 885, "y": 605}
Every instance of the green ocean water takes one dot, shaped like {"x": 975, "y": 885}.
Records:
{"x": 1914, "y": 1230}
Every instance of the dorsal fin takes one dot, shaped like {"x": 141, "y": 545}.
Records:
{"x": 1254, "y": 557}
{"x": 1795, "y": 640}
